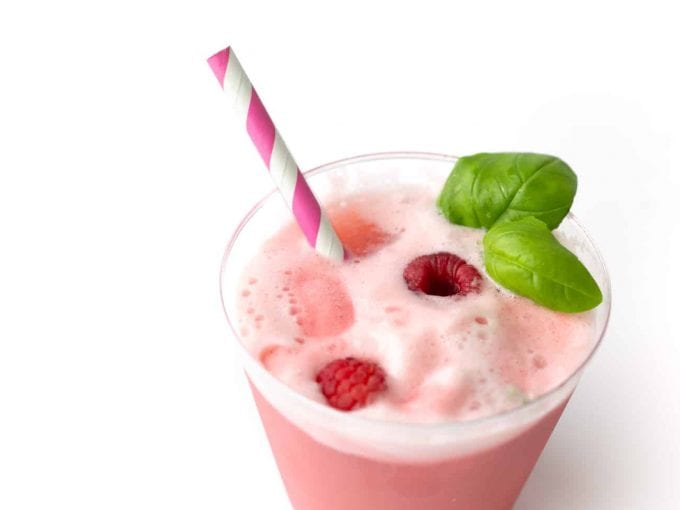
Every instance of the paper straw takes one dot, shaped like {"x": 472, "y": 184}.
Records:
{"x": 282, "y": 167}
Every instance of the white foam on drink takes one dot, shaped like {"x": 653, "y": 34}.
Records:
{"x": 446, "y": 358}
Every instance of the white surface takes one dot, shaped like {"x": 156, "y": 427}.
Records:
{"x": 122, "y": 175}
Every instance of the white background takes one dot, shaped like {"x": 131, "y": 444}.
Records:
{"x": 123, "y": 174}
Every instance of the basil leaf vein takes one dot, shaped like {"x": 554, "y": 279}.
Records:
{"x": 524, "y": 257}
{"x": 486, "y": 188}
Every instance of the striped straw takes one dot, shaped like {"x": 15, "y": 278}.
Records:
{"x": 282, "y": 167}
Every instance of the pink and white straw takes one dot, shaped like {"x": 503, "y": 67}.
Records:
{"x": 282, "y": 167}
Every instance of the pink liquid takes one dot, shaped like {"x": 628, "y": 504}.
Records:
{"x": 318, "y": 477}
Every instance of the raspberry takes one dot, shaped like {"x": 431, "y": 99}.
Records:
{"x": 350, "y": 383}
{"x": 442, "y": 274}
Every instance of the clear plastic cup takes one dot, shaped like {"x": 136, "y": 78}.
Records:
{"x": 330, "y": 460}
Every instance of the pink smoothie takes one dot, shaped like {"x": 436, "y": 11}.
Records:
{"x": 459, "y": 360}
{"x": 446, "y": 358}
{"x": 321, "y": 477}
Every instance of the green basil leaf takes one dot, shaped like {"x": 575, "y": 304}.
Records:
{"x": 487, "y": 188}
{"x": 524, "y": 257}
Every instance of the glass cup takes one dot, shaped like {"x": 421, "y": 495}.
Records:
{"x": 330, "y": 460}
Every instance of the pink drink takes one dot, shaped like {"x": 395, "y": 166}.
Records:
{"x": 475, "y": 383}
{"x": 317, "y": 476}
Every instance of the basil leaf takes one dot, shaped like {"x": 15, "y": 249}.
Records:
{"x": 487, "y": 188}
{"x": 524, "y": 257}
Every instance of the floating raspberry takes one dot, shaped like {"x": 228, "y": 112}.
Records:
{"x": 350, "y": 383}
{"x": 442, "y": 274}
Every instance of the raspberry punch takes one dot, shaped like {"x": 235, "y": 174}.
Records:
{"x": 428, "y": 369}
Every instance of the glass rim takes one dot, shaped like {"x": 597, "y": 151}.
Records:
{"x": 524, "y": 408}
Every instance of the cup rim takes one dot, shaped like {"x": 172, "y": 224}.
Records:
{"x": 524, "y": 409}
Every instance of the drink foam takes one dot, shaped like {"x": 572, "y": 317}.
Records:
{"x": 450, "y": 358}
